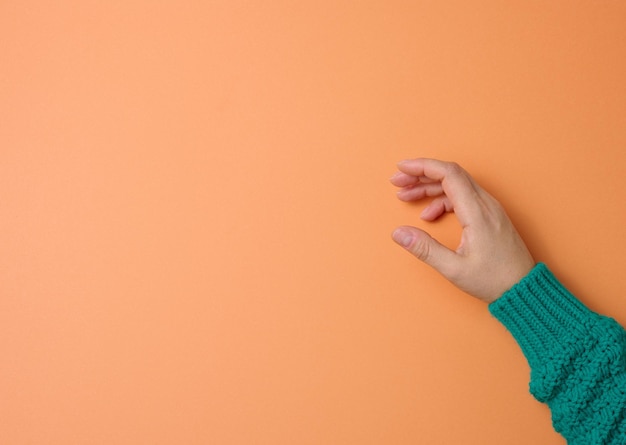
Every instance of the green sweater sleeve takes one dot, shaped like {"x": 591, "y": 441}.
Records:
{"x": 577, "y": 358}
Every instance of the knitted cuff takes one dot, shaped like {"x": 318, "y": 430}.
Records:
{"x": 542, "y": 315}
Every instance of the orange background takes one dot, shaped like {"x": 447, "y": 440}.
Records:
{"x": 196, "y": 214}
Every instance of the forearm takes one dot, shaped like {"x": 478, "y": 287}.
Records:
{"x": 577, "y": 357}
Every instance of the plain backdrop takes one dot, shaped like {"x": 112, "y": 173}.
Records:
{"x": 195, "y": 213}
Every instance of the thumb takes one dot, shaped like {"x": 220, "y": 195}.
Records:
{"x": 426, "y": 248}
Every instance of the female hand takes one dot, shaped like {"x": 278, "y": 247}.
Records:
{"x": 491, "y": 256}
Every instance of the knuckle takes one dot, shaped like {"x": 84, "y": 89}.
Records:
{"x": 421, "y": 250}
{"x": 455, "y": 169}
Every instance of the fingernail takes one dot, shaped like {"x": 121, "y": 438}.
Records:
{"x": 403, "y": 237}
{"x": 395, "y": 175}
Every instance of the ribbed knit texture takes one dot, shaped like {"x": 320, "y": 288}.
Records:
{"x": 576, "y": 356}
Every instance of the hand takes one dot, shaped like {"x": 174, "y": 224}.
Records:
{"x": 491, "y": 256}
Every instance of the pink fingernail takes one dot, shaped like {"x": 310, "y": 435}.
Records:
{"x": 403, "y": 237}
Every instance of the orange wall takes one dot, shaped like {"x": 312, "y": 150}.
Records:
{"x": 196, "y": 214}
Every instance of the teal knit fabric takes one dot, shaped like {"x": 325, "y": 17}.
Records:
{"x": 577, "y": 358}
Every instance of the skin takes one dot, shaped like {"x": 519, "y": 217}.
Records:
{"x": 491, "y": 256}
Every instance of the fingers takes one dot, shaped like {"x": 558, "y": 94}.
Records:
{"x": 401, "y": 179}
{"x": 456, "y": 184}
{"x": 436, "y": 208}
{"x": 420, "y": 191}
{"x": 429, "y": 168}
{"x": 414, "y": 188}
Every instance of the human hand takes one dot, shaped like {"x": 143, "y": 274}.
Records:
{"x": 491, "y": 256}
